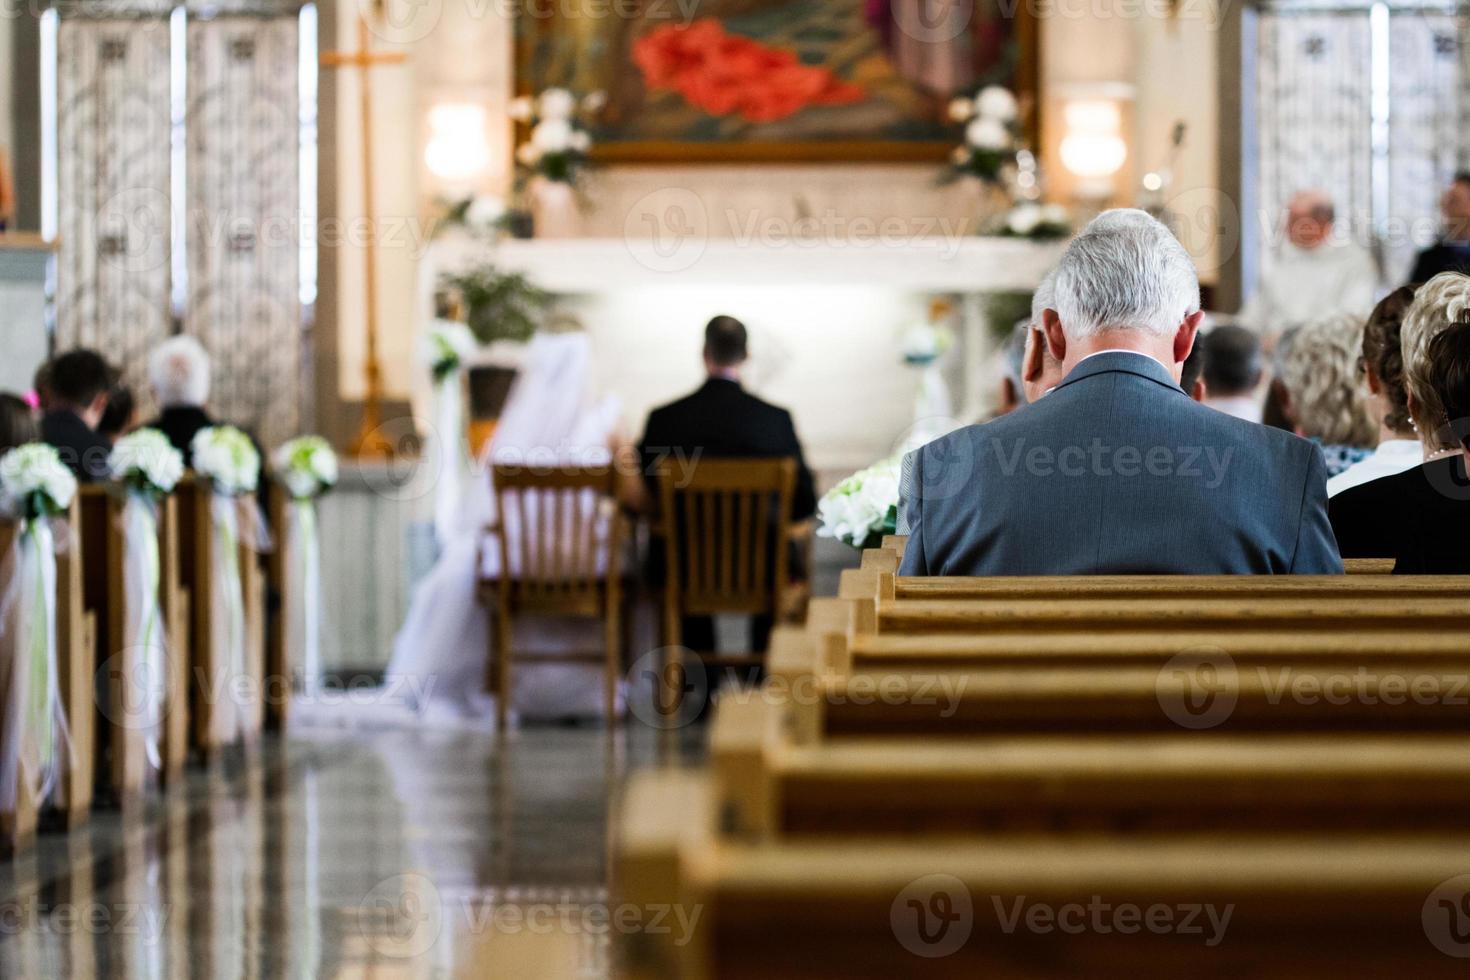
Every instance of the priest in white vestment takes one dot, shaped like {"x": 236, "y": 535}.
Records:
{"x": 1314, "y": 274}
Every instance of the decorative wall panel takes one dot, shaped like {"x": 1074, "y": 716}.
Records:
{"x": 113, "y": 189}
{"x": 242, "y": 235}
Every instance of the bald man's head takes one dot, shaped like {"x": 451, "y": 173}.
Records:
{"x": 1309, "y": 217}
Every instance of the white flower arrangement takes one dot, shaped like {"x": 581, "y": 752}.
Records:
{"x": 1040, "y": 222}
{"x": 34, "y": 482}
{"x": 447, "y": 345}
{"x": 307, "y": 466}
{"x": 863, "y": 507}
{"x": 227, "y": 458}
{"x": 991, "y": 138}
{"x": 558, "y": 142}
{"x": 146, "y": 462}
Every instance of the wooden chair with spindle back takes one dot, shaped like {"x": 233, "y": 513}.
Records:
{"x": 559, "y": 536}
{"x": 726, "y": 533}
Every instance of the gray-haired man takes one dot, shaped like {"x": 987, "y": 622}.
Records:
{"x": 1117, "y": 470}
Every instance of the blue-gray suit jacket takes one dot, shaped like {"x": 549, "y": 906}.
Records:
{"x": 1117, "y": 471}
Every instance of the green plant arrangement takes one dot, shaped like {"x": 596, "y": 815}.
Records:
{"x": 498, "y": 305}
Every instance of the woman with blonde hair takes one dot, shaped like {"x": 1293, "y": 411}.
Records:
{"x": 1318, "y": 389}
{"x": 1419, "y": 517}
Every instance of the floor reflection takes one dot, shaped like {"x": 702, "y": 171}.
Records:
{"x": 395, "y": 854}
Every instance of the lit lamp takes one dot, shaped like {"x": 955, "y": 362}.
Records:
{"x": 458, "y": 153}
{"x": 1093, "y": 148}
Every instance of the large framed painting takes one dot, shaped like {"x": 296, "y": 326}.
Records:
{"x": 777, "y": 80}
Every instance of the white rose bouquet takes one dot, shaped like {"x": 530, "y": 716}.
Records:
{"x": 35, "y": 483}
{"x": 446, "y": 346}
{"x": 863, "y": 507}
{"x": 559, "y": 139}
{"x": 991, "y": 137}
{"x": 1038, "y": 222}
{"x": 146, "y": 462}
{"x": 307, "y": 466}
{"x": 227, "y": 458}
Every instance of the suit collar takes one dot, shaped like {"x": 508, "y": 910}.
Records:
{"x": 1124, "y": 362}
{"x": 715, "y": 382}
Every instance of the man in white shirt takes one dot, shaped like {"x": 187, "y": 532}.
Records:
{"x": 1312, "y": 276}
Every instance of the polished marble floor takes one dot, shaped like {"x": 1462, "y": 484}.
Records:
{"x": 393, "y": 854}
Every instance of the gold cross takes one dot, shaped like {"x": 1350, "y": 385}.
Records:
{"x": 370, "y": 442}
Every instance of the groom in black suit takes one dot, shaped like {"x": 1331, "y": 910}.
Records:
{"x": 720, "y": 419}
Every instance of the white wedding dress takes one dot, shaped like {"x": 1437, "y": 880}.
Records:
{"x": 436, "y": 676}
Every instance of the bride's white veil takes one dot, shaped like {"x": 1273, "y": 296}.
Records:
{"x": 549, "y": 416}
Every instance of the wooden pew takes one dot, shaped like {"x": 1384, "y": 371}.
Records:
{"x": 844, "y": 907}
{"x": 18, "y": 826}
{"x": 120, "y": 737}
{"x": 770, "y": 783}
{"x": 896, "y": 543}
{"x": 196, "y": 552}
{"x": 76, "y": 645}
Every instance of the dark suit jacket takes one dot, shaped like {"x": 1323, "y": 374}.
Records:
{"x": 82, "y": 450}
{"x": 181, "y": 423}
{"x": 1440, "y": 257}
{"x": 1420, "y": 516}
{"x": 1117, "y": 471}
{"x": 722, "y": 419}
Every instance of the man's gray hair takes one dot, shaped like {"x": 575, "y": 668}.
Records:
{"x": 1044, "y": 298}
{"x": 1126, "y": 271}
{"x": 178, "y": 369}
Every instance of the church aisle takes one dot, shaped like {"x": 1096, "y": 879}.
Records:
{"x": 395, "y": 854}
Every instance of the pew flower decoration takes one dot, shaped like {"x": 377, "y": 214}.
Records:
{"x": 447, "y": 345}
{"x": 991, "y": 139}
{"x": 863, "y": 507}
{"x": 34, "y": 487}
{"x": 146, "y": 462}
{"x": 148, "y": 465}
{"x": 227, "y": 458}
{"x": 307, "y": 467}
{"x": 34, "y": 483}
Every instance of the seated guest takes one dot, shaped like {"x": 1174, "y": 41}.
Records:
{"x": 722, "y": 419}
{"x": 1033, "y": 371}
{"x": 1192, "y": 374}
{"x": 178, "y": 370}
{"x": 1452, "y": 252}
{"x": 1117, "y": 470}
{"x": 79, "y": 382}
{"x": 41, "y": 387}
{"x": 1012, "y": 395}
{"x": 1421, "y": 517}
{"x": 1232, "y": 371}
{"x": 1319, "y": 390}
{"x": 1387, "y": 404}
{"x": 17, "y": 422}
{"x": 1313, "y": 274}
{"x": 121, "y": 416}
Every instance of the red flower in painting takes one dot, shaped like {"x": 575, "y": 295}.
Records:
{"x": 725, "y": 73}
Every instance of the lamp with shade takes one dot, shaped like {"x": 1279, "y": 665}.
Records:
{"x": 1093, "y": 148}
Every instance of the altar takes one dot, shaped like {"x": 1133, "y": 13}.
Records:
{"x": 825, "y": 316}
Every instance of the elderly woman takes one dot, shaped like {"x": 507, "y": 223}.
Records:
{"x": 1421, "y": 517}
{"x": 1318, "y": 391}
{"x": 178, "y": 370}
{"x": 1387, "y": 403}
